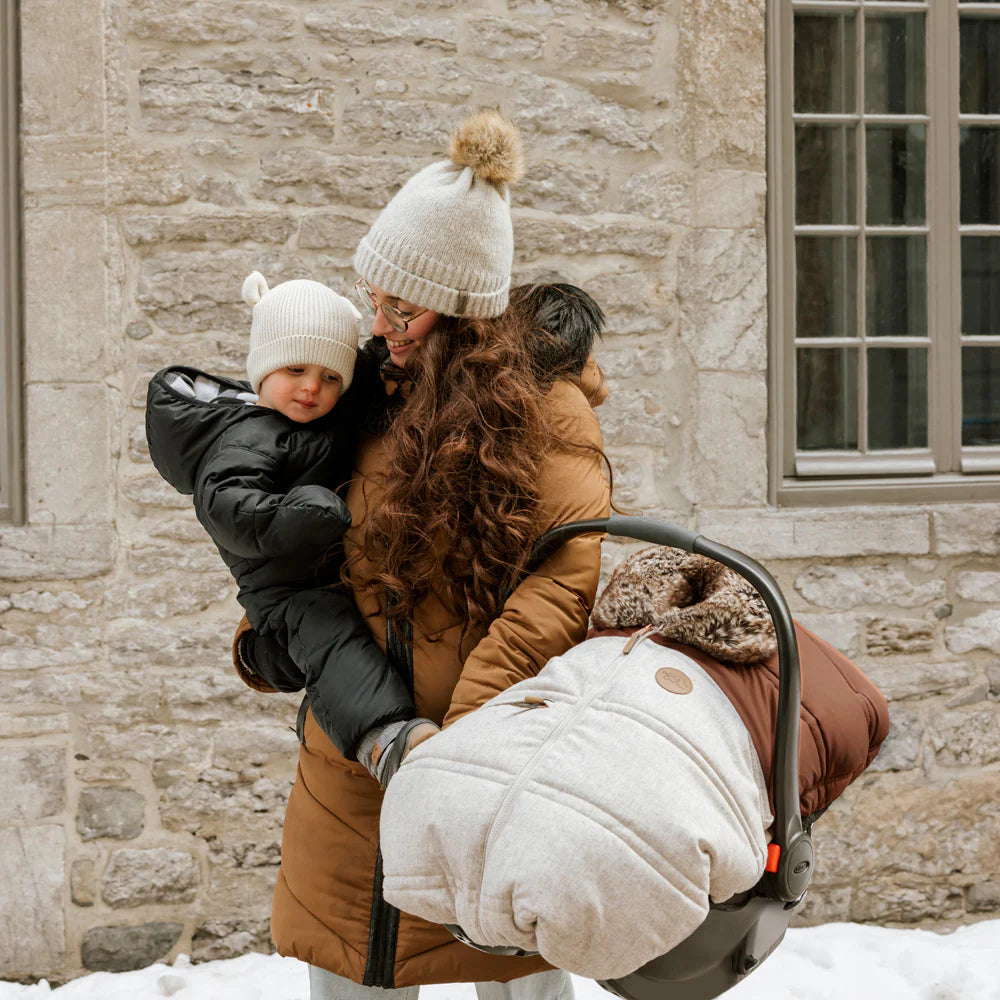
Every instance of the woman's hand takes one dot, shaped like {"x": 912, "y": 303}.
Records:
{"x": 391, "y": 746}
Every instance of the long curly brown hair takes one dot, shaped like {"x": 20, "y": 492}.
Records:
{"x": 457, "y": 509}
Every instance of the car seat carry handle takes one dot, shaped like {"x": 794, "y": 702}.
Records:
{"x": 790, "y": 857}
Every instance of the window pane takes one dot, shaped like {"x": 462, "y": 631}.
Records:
{"x": 827, "y": 398}
{"x": 980, "y": 395}
{"x": 981, "y": 285}
{"x": 979, "y": 159}
{"x": 896, "y": 286}
{"x": 824, "y": 63}
{"x": 824, "y": 175}
{"x": 825, "y": 286}
{"x": 896, "y": 171}
{"x": 897, "y": 398}
{"x": 894, "y": 64}
{"x": 979, "y": 66}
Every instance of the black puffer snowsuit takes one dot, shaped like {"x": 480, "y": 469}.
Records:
{"x": 263, "y": 488}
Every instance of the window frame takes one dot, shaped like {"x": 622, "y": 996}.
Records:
{"x": 12, "y": 507}
{"x": 821, "y": 478}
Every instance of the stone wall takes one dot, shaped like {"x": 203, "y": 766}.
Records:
{"x": 172, "y": 146}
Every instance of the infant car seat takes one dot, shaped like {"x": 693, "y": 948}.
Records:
{"x": 738, "y": 933}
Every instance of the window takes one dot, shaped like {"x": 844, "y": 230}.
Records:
{"x": 11, "y": 499}
{"x": 884, "y": 222}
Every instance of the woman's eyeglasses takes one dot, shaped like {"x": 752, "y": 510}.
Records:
{"x": 397, "y": 320}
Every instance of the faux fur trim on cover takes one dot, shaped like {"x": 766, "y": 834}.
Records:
{"x": 689, "y": 599}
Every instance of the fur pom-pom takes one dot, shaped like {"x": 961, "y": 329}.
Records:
{"x": 490, "y": 145}
{"x": 254, "y": 288}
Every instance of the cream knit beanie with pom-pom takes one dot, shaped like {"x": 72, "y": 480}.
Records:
{"x": 445, "y": 241}
{"x": 299, "y": 323}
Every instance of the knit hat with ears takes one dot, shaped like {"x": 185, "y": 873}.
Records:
{"x": 445, "y": 241}
{"x": 299, "y": 323}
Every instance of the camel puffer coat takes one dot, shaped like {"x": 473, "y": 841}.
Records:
{"x": 328, "y": 904}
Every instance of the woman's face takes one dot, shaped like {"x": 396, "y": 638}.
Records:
{"x": 402, "y": 346}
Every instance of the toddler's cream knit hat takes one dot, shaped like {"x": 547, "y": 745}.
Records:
{"x": 299, "y": 323}
{"x": 445, "y": 241}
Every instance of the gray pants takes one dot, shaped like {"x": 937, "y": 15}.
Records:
{"x": 554, "y": 985}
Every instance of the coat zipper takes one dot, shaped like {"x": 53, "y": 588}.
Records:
{"x": 383, "y": 926}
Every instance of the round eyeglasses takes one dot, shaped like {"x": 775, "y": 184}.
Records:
{"x": 397, "y": 320}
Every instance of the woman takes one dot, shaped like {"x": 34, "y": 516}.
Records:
{"x": 467, "y": 457}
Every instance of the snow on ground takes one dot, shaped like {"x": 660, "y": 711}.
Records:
{"x": 831, "y": 962}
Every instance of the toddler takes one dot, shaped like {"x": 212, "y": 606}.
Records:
{"x": 263, "y": 462}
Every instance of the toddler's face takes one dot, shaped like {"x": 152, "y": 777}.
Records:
{"x": 301, "y": 392}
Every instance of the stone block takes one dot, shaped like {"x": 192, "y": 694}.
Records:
{"x": 83, "y": 882}
{"x": 218, "y": 802}
{"x": 825, "y": 533}
{"x": 62, "y": 552}
{"x": 72, "y": 38}
{"x": 226, "y": 229}
{"x": 634, "y": 418}
{"x": 334, "y": 232}
{"x": 187, "y": 529}
{"x": 229, "y": 938}
{"x": 152, "y": 599}
{"x": 832, "y": 586}
{"x": 538, "y": 236}
{"x": 32, "y": 783}
{"x": 32, "y": 923}
{"x": 45, "y": 602}
{"x": 200, "y": 558}
{"x": 728, "y": 462}
{"x": 152, "y": 491}
{"x": 237, "y": 747}
{"x": 156, "y": 875}
{"x": 353, "y": 27}
{"x": 200, "y": 21}
{"x": 908, "y": 832}
{"x": 823, "y": 904}
{"x": 566, "y": 113}
{"x": 965, "y": 738}
{"x": 906, "y": 678}
{"x": 636, "y": 301}
{"x": 885, "y": 902}
{"x": 220, "y": 189}
{"x": 983, "y": 588}
{"x": 110, "y": 812}
{"x": 901, "y": 749}
{"x": 562, "y": 187}
{"x": 121, "y": 948}
{"x": 504, "y": 39}
{"x": 621, "y": 359}
{"x": 146, "y": 176}
{"x": 722, "y": 285}
{"x": 26, "y": 726}
{"x": 729, "y": 199}
{"x": 309, "y": 176}
{"x": 886, "y": 637}
{"x": 66, "y": 320}
{"x": 381, "y": 121}
{"x": 199, "y": 100}
{"x": 966, "y": 530}
{"x": 844, "y": 631}
{"x": 664, "y": 194}
{"x": 984, "y": 897}
{"x": 981, "y": 631}
{"x": 72, "y": 647}
{"x": 64, "y": 170}
{"x": 645, "y": 12}
{"x": 197, "y": 291}
{"x": 69, "y": 462}
{"x": 721, "y": 73}
{"x": 593, "y": 47}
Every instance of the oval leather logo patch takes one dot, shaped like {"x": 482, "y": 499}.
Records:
{"x": 674, "y": 681}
